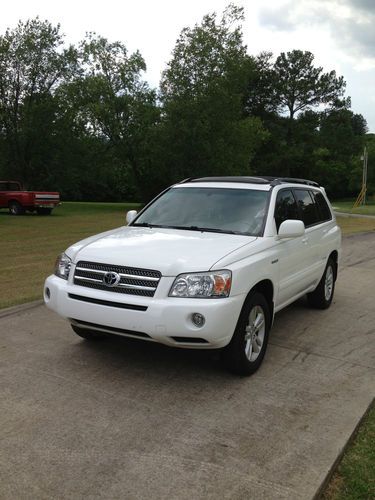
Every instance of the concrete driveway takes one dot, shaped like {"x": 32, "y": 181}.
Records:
{"x": 127, "y": 420}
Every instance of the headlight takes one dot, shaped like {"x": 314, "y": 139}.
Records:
{"x": 202, "y": 285}
{"x": 62, "y": 266}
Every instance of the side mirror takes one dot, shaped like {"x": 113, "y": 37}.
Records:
{"x": 130, "y": 216}
{"x": 291, "y": 229}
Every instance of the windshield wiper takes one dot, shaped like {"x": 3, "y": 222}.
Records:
{"x": 205, "y": 229}
{"x": 144, "y": 224}
{"x": 187, "y": 228}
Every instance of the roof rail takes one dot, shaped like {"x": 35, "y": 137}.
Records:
{"x": 188, "y": 179}
{"x": 293, "y": 180}
{"x": 234, "y": 178}
{"x": 266, "y": 179}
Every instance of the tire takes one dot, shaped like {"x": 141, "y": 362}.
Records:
{"x": 88, "y": 334}
{"x": 321, "y": 297}
{"x": 239, "y": 356}
{"x": 43, "y": 211}
{"x": 16, "y": 208}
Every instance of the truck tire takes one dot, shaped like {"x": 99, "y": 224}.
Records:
{"x": 87, "y": 334}
{"x": 43, "y": 211}
{"x": 16, "y": 208}
{"x": 245, "y": 352}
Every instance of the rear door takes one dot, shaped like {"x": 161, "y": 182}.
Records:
{"x": 294, "y": 253}
{"x": 310, "y": 215}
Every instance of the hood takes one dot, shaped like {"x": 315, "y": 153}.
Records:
{"x": 170, "y": 251}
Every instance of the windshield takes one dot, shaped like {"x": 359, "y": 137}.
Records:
{"x": 238, "y": 211}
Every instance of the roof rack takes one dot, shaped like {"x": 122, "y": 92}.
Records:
{"x": 236, "y": 178}
{"x": 273, "y": 181}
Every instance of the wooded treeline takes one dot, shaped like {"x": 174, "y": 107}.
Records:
{"x": 82, "y": 119}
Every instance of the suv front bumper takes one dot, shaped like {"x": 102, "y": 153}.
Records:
{"x": 166, "y": 319}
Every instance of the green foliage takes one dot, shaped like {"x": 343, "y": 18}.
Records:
{"x": 202, "y": 92}
{"x": 32, "y": 65}
{"x": 370, "y": 145}
{"x": 113, "y": 105}
{"x": 300, "y": 85}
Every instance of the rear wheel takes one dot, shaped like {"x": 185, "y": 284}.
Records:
{"x": 16, "y": 208}
{"x": 43, "y": 211}
{"x": 87, "y": 334}
{"x": 321, "y": 297}
{"x": 245, "y": 352}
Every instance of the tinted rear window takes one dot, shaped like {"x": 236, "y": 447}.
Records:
{"x": 324, "y": 211}
{"x": 308, "y": 209}
{"x": 286, "y": 207}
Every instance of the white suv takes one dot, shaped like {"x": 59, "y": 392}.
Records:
{"x": 205, "y": 265}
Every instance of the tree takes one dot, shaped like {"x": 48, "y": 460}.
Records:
{"x": 32, "y": 65}
{"x": 337, "y": 157}
{"x": 260, "y": 97}
{"x": 202, "y": 92}
{"x": 114, "y": 104}
{"x": 300, "y": 85}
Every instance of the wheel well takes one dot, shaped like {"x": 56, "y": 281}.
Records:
{"x": 265, "y": 287}
{"x": 334, "y": 256}
{"x": 13, "y": 201}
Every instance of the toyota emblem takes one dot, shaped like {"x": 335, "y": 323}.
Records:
{"x": 111, "y": 278}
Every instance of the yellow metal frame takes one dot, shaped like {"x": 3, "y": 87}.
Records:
{"x": 360, "y": 198}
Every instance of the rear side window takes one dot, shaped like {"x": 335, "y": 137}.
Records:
{"x": 324, "y": 211}
{"x": 3, "y": 186}
{"x": 307, "y": 207}
{"x": 286, "y": 207}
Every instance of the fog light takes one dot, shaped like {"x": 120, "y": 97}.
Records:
{"x": 47, "y": 293}
{"x": 198, "y": 319}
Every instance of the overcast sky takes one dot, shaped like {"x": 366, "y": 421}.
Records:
{"x": 340, "y": 33}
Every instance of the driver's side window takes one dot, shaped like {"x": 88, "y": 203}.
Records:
{"x": 286, "y": 207}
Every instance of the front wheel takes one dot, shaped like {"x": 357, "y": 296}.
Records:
{"x": 321, "y": 297}
{"x": 245, "y": 352}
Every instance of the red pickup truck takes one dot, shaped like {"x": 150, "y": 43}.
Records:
{"x": 18, "y": 201}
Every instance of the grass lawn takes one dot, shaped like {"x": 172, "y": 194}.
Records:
{"x": 29, "y": 244}
{"x": 350, "y": 225}
{"x": 347, "y": 206}
{"x": 354, "y": 478}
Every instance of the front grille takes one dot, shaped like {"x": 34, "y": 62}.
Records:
{"x": 133, "y": 281}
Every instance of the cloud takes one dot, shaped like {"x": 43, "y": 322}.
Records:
{"x": 350, "y": 22}
{"x": 276, "y": 19}
{"x": 366, "y": 5}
